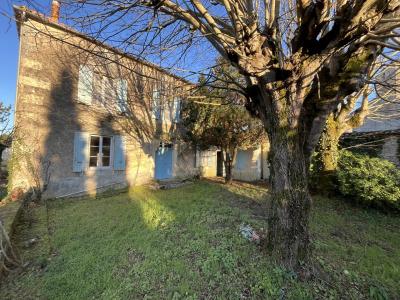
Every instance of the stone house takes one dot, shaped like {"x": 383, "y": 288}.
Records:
{"x": 89, "y": 117}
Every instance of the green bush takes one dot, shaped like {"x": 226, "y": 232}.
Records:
{"x": 372, "y": 181}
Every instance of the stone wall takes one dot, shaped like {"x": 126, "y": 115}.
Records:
{"x": 391, "y": 150}
{"x": 384, "y": 144}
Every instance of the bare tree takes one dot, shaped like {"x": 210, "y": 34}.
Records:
{"x": 220, "y": 119}
{"x": 299, "y": 60}
{"x": 5, "y": 120}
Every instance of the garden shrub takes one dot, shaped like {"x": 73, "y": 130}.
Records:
{"x": 369, "y": 180}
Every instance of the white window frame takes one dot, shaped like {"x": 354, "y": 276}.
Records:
{"x": 100, "y": 153}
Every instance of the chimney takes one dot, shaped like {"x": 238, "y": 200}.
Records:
{"x": 55, "y": 11}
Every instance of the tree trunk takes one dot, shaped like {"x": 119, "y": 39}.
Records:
{"x": 326, "y": 158}
{"x": 327, "y": 151}
{"x": 288, "y": 223}
{"x": 290, "y": 202}
{"x": 228, "y": 172}
{"x": 228, "y": 163}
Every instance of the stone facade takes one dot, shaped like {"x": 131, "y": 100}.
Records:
{"x": 391, "y": 151}
{"x": 49, "y": 112}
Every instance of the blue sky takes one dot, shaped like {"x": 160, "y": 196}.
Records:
{"x": 9, "y": 56}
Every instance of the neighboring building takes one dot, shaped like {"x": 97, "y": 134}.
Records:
{"x": 380, "y": 133}
{"x": 90, "y": 117}
{"x": 250, "y": 164}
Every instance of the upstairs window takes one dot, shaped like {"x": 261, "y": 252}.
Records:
{"x": 100, "y": 151}
{"x": 115, "y": 93}
{"x": 108, "y": 91}
{"x": 85, "y": 85}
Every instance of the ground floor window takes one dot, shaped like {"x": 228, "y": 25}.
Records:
{"x": 100, "y": 151}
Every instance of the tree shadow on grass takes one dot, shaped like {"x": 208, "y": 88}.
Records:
{"x": 246, "y": 195}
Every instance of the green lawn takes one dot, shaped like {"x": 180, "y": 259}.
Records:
{"x": 185, "y": 243}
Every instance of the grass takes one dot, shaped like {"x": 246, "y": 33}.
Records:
{"x": 185, "y": 244}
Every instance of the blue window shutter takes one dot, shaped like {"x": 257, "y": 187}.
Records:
{"x": 81, "y": 140}
{"x": 85, "y": 85}
{"x": 119, "y": 153}
{"x": 177, "y": 109}
{"x": 122, "y": 94}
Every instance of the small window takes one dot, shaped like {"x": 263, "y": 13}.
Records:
{"x": 100, "y": 151}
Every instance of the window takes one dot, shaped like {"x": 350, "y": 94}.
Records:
{"x": 100, "y": 151}
{"x": 108, "y": 91}
{"x": 115, "y": 92}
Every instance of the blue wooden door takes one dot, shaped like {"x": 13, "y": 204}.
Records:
{"x": 163, "y": 163}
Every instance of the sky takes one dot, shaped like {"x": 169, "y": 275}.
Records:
{"x": 8, "y": 56}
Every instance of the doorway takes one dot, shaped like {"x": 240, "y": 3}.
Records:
{"x": 220, "y": 164}
{"x": 163, "y": 162}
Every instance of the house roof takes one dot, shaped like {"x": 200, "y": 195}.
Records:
{"x": 22, "y": 13}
